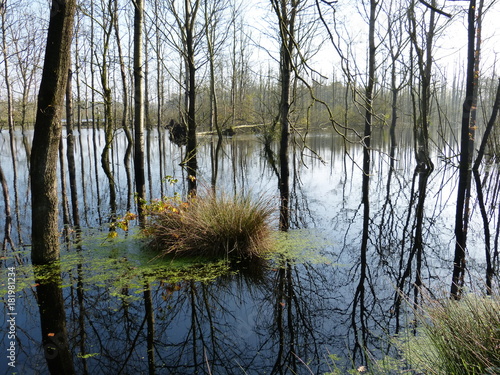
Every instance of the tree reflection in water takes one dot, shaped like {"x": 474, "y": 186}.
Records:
{"x": 273, "y": 317}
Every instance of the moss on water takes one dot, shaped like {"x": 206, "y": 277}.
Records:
{"x": 115, "y": 264}
{"x": 300, "y": 246}
{"x": 123, "y": 263}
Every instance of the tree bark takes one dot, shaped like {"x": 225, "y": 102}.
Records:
{"x": 43, "y": 171}
{"x": 140, "y": 181}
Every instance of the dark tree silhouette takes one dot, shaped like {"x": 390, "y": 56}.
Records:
{"x": 466, "y": 153}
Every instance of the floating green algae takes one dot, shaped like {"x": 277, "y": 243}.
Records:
{"x": 300, "y": 246}
{"x": 112, "y": 263}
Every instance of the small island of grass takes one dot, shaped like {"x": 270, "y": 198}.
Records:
{"x": 214, "y": 226}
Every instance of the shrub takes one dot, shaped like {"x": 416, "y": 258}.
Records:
{"x": 210, "y": 226}
{"x": 456, "y": 337}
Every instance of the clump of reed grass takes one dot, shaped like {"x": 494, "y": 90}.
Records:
{"x": 456, "y": 337}
{"x": 210, "y": 226}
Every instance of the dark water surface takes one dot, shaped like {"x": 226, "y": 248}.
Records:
{"x": 319, "y": 295}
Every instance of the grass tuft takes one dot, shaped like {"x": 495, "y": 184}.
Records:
{"x": 210, "y": 226}
{"x": 457, "y": 337}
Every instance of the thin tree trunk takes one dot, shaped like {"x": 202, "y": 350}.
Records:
{"x": 70, "y": 151}
{"x": 464, "y": 179}
{"x": 490, "y": 269}
{"x": 192, "y": 144}
{"x": 359, "y": 295}
{"x": 125, "y": 126}
{"x": 140, "y": 181}
{"x": 10, "y": 113}
{"x": 7, "y": 239}
{"x": 108, "y": 117}
{"x": 64, "y": 195}
{"x": 286, "y": 19}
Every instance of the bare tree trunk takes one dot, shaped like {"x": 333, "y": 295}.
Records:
{"x": 70, "y": 152}
{"x": 490, "y": 261}
{"x": 211, "y": 22}
{"x": 95, "y": 116}
{"x": 466, "y": 150}
{"x": 424, "y": 61}
{"x": 160, "y": 94}
{"x": 192, "y": 144}
{"x": 286, "y": 18}
{"x": 64, "y": 195}
{"x": 108, "y": 114}
{"x": 359, "y": 295}
{"x": 125, "y": 126}
{"x": 10, "y": 112}
{"x": 7, "y": 239}
{"x": 43, "y": 171}
{"x": 140, "y": 181}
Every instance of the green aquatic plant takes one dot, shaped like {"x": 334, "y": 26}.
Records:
{"x": 116, "y": 264}
{"x": 212, "y": 225}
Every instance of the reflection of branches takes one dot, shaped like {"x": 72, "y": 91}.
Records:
{"x": 296, "y": 300}
{"x": 417, "y": 245}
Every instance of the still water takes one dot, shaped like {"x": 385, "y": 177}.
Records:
{"x": 318, "y": 296}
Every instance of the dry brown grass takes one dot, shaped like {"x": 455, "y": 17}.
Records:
{"x": 210, "y": 226}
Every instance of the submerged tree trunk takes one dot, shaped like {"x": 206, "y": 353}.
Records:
{"x": 10, "y": 112}
{"x": 359, "y": 295}
{"x": 466, "y": 153}
{"x": 140, "y": 181}
{"x": 43, "y": 171}
{"x": 286, "y": 16}
{"x": 211, "y": 22}
{"x": 424, "y": 60}
{"x": 70, "y": 152}
{"x": 490, "y": 261}
{"x": 108, "y": 116}
{"x": 7, "y": 239}
{"x": 125, "y": 124}
{"x": 191, "y": 147}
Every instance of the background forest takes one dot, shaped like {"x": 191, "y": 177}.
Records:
{"x": 236, "y": 56}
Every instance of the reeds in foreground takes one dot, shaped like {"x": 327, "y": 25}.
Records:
{"x": 457, "y": 337}
{"x": 210, "y": 226}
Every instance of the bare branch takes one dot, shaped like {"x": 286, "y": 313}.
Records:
{"x": 435, "y": 9}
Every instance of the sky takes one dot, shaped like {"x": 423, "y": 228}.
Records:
{"x": 449, "y": 52}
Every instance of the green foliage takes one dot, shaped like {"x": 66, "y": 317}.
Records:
{"x": 210, "y": 226}
{"x": 456, "y": 337}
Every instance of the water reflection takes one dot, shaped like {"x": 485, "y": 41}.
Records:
{"x": 270, "y": 318}
{"x": 52, "y": 310}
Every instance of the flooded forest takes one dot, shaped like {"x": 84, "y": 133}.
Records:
{"x": 367, "y": 130}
